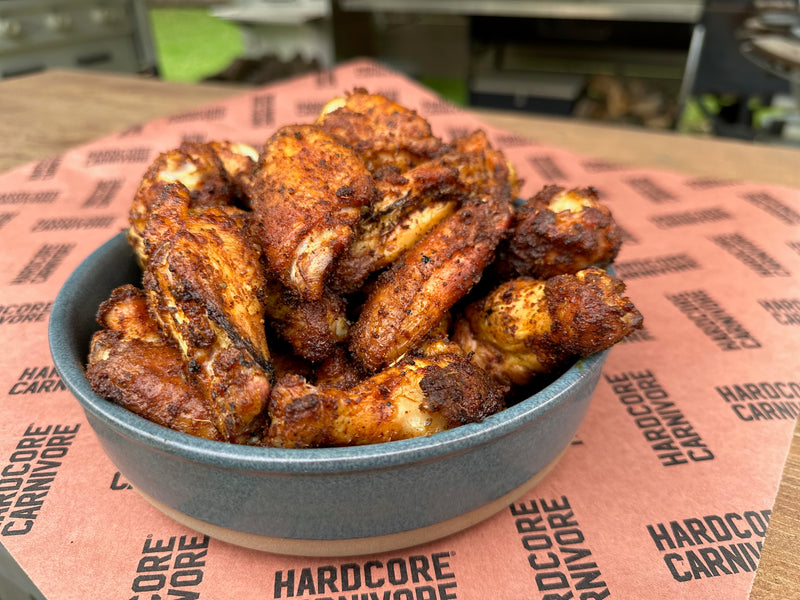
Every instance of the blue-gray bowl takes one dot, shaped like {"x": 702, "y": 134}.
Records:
{"x": 327, "y": 501}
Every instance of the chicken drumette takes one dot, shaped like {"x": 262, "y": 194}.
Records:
{"x": 526, "y": 327}
{"x": 133, "y": 364}
{"x": 311, "y": 190}
{"x": 420, "y": 395}
{"x": 561, "y": 231}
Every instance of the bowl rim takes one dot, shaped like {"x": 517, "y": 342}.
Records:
{"x": 65, "y": 313}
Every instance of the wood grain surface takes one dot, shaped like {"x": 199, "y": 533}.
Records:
{"x": 46, "y": 113}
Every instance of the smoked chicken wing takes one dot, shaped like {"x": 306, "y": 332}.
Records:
{"x": 408, "y": 206}
{"x": 215, "y": 174}
{"x": 424, "y": 283}
{"x": 382, "y": 132}
{"x": 561, "y": 231}
{"x": 527, "y": 326}
{"x": 205, "y": 287}
{"x": 311, "y": 192}
{"x": 418, "y": 396}
{"x": 133, "y": 364}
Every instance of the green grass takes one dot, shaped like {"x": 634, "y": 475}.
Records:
{"x": 452, "y": 90}
{"x": 192, "y": 44}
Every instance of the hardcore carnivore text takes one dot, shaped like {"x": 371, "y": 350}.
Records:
{"x": 558, "y": 552}
{"x": 418, "y": 577}
{"x": 712, "y": 545}
{"x": 29, "y": 473}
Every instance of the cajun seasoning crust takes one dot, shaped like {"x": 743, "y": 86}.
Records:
{"x": 149, "y": 379}
{"x": 526, "y": 327}
{"x": 311, "y": 192}
{"x": 590, "y": 312}
{"x": 461, "y": 392}
{"x": 562, "y": 231}
{"x": 126, "y": 311}
{"x": 382, "y": 132}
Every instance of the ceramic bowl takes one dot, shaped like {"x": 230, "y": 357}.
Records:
{"x": 329, "y": 501}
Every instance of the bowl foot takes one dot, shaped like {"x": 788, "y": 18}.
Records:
{"x": 355, "y": 546}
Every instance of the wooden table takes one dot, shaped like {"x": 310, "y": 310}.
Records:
{"x": 46, "y": 113}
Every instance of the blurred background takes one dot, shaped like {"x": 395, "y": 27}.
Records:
{"x": 726, "y": 68}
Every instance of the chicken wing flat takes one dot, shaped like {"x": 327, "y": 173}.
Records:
{"x": 527, "y": 326}
{"x": 205, "y": 287}
{"x": 382, "y": 132}
{"x": 418, "y": 396}
{"x": 217, "y": 173}
{"x": 311, "y": 192}
{"x": 425, "y": 282}
{"x": 408, "y": 206}
{"x": 132, "y": 364}
{"x": 562, "y": 231}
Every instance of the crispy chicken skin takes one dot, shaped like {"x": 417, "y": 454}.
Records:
{"x": 205, "y": 288}
{"x": 311, "y": 192}
{"x": 339, "y": 370}
{"x": 425, "y": 282}
{"x": 216, "y": 173}
{"x": 132, "y": 364}
{"x": 313, "y": 329}
{"x": 562, "y": 231}
{"x": 382, "y": 132}
{"x": 480, "y": 165}
{"x": 526, "y": 326}
{"x": 408, "y": 206}
{"x": 418, "y": 396}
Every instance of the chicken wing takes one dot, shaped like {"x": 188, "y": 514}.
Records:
{"x": 526, "y": 327}
{"x": 215, "y": 174}
{"x": 430, "y": 277}
{"x": 418, "y": 396}
{"x": 133, "y": 364}
{"x": 311, "y": 192}
{"x": 562, "y": 231}
{"x": 408, "y": 206}
{"x": 382, "y": 132}
{"x": 205, "y": 287}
